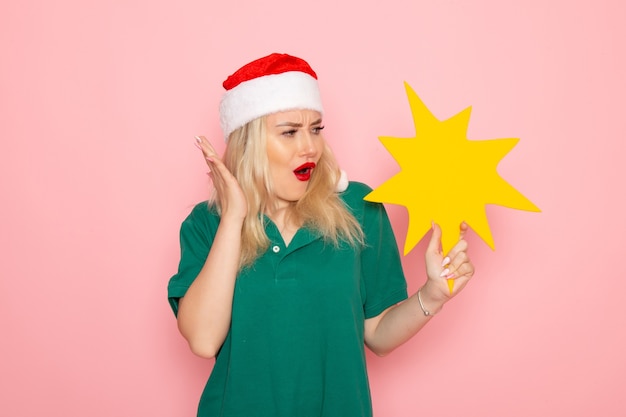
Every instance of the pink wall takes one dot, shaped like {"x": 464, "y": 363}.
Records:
{"x": 99, "y": 102}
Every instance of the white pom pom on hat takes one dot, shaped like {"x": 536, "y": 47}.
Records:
{"x": 342, "y": 184}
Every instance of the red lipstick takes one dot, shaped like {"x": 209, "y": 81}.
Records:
{"x": 303, "y": 172}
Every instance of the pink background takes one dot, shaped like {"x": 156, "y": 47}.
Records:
{"x": 99, "y": 102}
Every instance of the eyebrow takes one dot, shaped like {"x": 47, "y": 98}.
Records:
{"x": 292, "y": 124}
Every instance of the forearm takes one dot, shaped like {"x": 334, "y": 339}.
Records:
{"x": 401, "y": 322}
{"x": 205, "y": 312}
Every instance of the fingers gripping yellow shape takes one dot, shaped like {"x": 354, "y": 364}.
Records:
{"x": 446, "y": 178}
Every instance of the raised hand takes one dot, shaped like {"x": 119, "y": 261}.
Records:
{"x": 230, "y": 196}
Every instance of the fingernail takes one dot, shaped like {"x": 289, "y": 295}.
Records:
{"x": 444, "y": 273}
{"x": 198, "y": 139}
{"x": 450, "y": 276}
{"x": 445, "y": 261}
{"x": 432, "y": 224}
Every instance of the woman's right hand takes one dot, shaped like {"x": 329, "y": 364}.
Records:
{"x": 230, "y": 196}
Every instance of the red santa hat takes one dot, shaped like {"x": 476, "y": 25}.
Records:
{"x": 274, "y": 83}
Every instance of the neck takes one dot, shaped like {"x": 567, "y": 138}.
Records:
{"x": 282, "y": 218}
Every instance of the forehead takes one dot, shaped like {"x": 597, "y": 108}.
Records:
{"x": 303, "y": 117}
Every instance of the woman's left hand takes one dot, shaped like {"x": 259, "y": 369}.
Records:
{"x": 455, "y": 265}
{"x": 399, "y": 323}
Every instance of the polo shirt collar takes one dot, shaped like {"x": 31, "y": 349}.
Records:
{"x": 303, "y": 236}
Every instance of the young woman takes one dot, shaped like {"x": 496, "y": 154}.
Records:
{"x": 286, "y": 273}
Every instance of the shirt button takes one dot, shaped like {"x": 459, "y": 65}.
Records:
{"x": 276, "y": 248}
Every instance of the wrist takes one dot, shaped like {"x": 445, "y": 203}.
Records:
{"x": 429, "y": 304}
{"x": 232, "y": 218}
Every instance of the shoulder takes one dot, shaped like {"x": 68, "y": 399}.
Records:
{"x": 355, "y": 191}
{"x": 204, "y": 209}
{"x": 354, "y": 196}
{"x": 202, "y": 215}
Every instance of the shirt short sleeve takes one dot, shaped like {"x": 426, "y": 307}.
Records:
{"x": 383, "y": 278}
{"x": 196, "y": 237}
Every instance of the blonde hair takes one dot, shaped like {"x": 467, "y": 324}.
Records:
{"x": 319, "y": 209}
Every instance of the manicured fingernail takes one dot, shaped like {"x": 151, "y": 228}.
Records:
{"x": 209, "y": 158}
{"x": 198, "y": 139}
{"x": 444, "y": 273}
{"x": 450, "y": 276}
{"x": 445, "y": 261}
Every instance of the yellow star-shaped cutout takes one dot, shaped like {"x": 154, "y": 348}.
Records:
{"x": 446, "y": 178}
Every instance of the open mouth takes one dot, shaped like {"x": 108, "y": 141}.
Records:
{"x": 303, "y": 172}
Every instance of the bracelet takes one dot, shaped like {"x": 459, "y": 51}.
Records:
{"x": 419, "y": 299}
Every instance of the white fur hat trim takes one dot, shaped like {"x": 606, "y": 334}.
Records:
{"x": 266, "y": 95}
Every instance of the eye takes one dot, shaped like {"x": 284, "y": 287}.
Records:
{"x": 291, "y": 132}
{"x": 318, "y": 129}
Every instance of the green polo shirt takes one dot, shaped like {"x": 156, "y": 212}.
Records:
{"x": 296, "y": 346}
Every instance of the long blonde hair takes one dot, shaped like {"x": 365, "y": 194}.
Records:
{"x": 320, "y": 208}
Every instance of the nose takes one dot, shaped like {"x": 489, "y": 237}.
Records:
{"x": 307, "y": 145}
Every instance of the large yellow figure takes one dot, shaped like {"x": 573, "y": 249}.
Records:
{"x": 446, "y": 178}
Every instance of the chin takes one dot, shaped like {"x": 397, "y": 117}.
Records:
{"x": 291, "y": 192}
{"x": 291, "y": 197}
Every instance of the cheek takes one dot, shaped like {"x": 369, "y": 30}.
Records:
{"x": 279, "y": 166}
{"x": 320, "y": 144}
{"x": 277, "y": 152}
{"x": 278, "y": 161}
